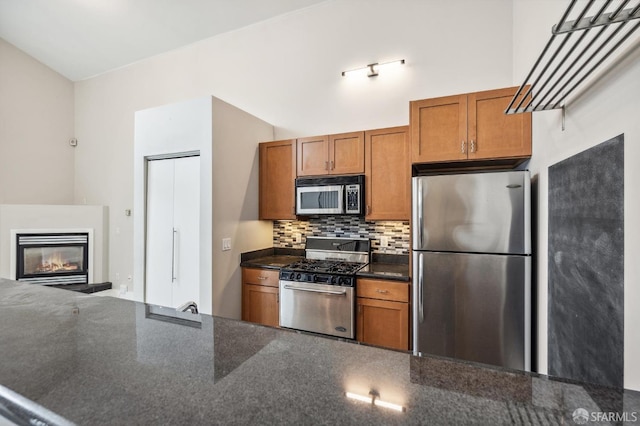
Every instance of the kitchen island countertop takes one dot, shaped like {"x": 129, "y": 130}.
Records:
{"x": 101, "y": 360}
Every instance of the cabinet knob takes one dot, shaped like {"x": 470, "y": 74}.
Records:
{"x": 463, "y": 147}
{"x": 472, "y": 146}
{"x": 331, "y": 167}
{"x": 368, "y": 209}
{"x": 382, "y": 291}
{"x": 262, "y": 278}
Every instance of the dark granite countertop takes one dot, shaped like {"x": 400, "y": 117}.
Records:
{"x": 386, "y": 267}
{"x": 102, "y": 360}
{"x": 270, "y": 258}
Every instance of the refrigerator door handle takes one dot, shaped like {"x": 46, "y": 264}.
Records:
{"x": 421, "y": 288}
{"x": 420, "y": 221}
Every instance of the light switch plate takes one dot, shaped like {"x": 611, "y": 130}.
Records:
{"x": 384, "y": 241}
{"x": 226, "y": 244}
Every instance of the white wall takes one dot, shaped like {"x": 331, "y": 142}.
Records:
{"x": 286, "y": 71}
{"x": 600, "y": 111}
{"x": 235, "y": 201}
{"x": 174, "y": 129}
{"x": 36, "y": 123}
{"x": 227, "y": 139}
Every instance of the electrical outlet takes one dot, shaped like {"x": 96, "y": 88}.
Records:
{"x": 384, "y": 241}
{"x": 226, "y": 244}
{"x": 297, "y": 238}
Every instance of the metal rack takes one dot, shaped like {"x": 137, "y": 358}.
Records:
{"x": 574, "y": 52}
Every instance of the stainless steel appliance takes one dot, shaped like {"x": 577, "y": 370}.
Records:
{"x": 330, "y": 195}
{"x": 317, "y": 293}
{"x": 472, "y": 267}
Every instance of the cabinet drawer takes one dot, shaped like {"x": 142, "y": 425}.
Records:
{"x": 268, "y": 277}
{"x": 383, "y": 290}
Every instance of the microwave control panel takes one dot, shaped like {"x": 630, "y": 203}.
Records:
{"x": 353, "y": 198}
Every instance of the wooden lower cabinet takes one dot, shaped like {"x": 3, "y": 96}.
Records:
{"x": 383, "y": 314}
{"x": 260, "y": 296}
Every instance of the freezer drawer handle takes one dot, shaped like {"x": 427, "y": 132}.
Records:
{"x": 310, "y": 290}
{"x": 421, "y": 288}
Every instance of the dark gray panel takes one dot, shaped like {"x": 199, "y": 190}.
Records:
{"x": 586, "y": 265}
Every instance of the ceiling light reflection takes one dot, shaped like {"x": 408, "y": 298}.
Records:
{"x": 372, "y": 398}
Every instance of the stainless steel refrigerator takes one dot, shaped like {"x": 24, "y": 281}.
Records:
{"x": 472, "y": 267}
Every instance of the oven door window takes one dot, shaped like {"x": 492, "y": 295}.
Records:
{"x": 320, "y": 199}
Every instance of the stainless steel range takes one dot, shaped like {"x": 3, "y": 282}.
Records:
{"x": 317, "y": 293}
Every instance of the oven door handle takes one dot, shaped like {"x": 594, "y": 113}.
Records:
{"x": 337, "y": 293}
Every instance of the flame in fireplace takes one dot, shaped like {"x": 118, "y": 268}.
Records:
{"x": 56, "y": 263}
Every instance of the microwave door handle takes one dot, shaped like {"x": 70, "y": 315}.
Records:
{"x": 319, "y": 200}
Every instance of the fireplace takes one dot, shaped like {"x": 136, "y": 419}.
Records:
{"x": 52, "y": 258}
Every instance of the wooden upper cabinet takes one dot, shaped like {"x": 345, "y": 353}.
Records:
{"x": 277, "y": 179}
{"x": 346, "y": 153}
{"x": 471, "y": 126}
{"x": 313, "y": 156}
{"x": 439, "y": 129}
{"x": 494, "y": 134}
{"x": 388, "y": 174}
{"x": 331, "y": 155}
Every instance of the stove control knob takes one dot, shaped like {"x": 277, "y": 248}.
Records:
{"x": 333, "y": 280}
{"x": 292, "y": 275}
{"x": 298, "y": 276}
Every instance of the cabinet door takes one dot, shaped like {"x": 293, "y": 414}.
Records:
{"x": 159, "y": 242}
{"x": 346, "y": 153}
{"x": 439, "y": 129}
{"x": 277, "y": 179}
{"x": 313, "y": 156}
{"x": 388, "y": 174}
{"x": 186, "y": 225}
{"x": 260, "y": 304}
{"x": 494, "y": 134}
{"x": 383, "y": 323}
{"x": 172, "y": 261}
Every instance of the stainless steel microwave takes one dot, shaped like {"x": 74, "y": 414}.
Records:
{"x": 335, "y": 195}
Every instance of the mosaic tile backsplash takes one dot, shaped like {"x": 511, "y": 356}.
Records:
{"x": 285, "y": 232}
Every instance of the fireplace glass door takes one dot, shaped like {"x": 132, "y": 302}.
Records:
{"x": 52, "y": 258}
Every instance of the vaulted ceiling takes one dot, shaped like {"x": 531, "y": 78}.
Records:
{"x": 83, "y": 38}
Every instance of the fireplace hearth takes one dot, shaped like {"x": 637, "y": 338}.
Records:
{"x": 52, "y": 258}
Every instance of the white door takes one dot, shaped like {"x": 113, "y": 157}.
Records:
{"x": 172, "y": 267}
